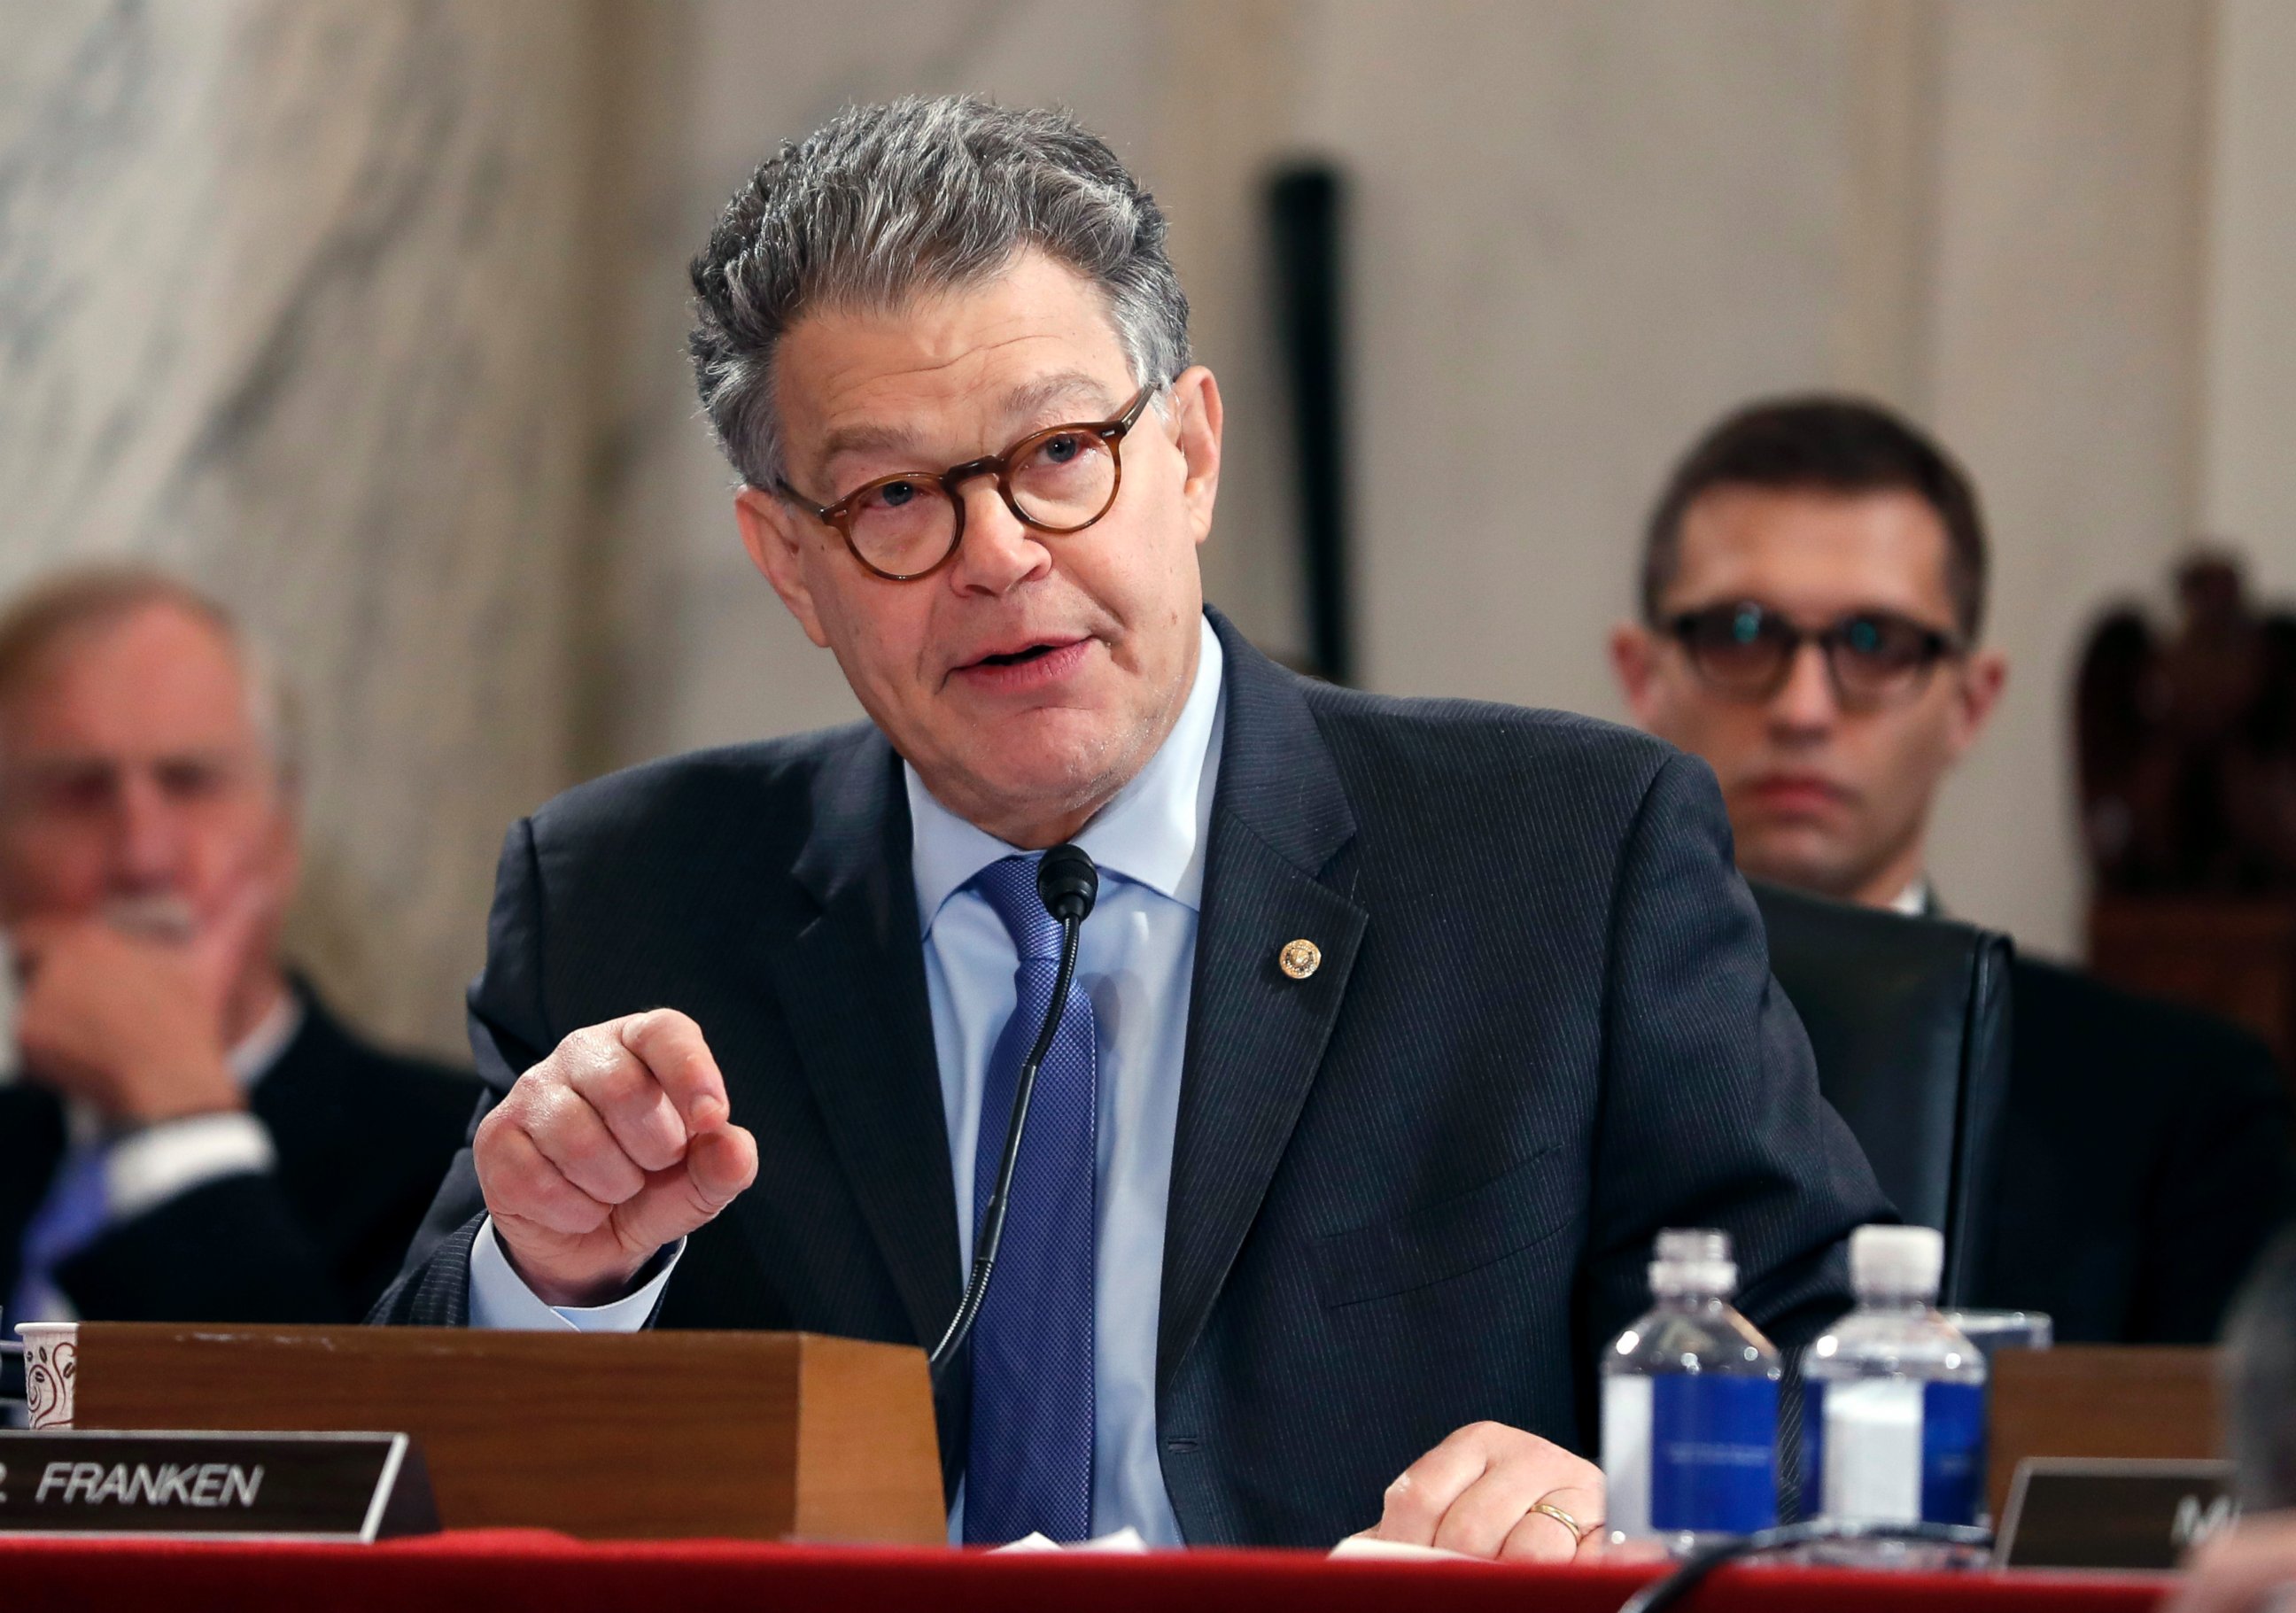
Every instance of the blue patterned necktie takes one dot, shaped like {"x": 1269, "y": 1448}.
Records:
{"x": 1031, "y": 1461}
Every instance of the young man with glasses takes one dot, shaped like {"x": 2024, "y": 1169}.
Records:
{"x": 1400, "y": 1028}
{"x": 1833, "y": 526}
{"x": 1813, "y": 589}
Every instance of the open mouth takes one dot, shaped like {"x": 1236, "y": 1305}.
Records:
{"x": 1036, "y": 667}
{"x": 1019, "y": 657}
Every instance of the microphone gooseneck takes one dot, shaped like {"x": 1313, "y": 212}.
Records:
{"x": 1068, "y": 884}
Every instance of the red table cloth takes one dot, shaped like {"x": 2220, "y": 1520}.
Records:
{"x": 505, "y": 1571}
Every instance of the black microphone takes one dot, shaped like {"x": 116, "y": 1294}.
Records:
{"x": 1067, "y": 884}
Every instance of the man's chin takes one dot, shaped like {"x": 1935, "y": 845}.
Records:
{"x": 1801, "y": 861}
{"x": 1046, "y": 769}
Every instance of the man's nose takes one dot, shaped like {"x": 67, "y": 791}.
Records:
{"x": 148, "y": 840}
{"x": 1806, "y": 703}
{"x": 998, "y": 553}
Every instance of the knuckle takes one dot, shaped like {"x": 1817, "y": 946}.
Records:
{"x": 585, "y": 1052}
{"x": 628, "y": 1086}
{"x": 1408, "y": 1501}
{"x": 488, "y": 1137}
{"x": 517, "y": 1182}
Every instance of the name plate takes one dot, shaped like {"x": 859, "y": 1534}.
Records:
{"x": 2105, "y": 1512}
{"x": 88, "y": 1482}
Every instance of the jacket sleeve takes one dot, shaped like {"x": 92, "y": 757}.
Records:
{"x": 509, "y": 1035}
{"x": 1710, "y": 1111}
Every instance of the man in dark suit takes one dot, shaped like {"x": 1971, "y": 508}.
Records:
{"x": 1812, "y": 592}
{"x": 191, "y": 1135}
{"x": 1400, "y": 1030}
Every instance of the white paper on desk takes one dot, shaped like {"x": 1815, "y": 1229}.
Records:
{"x": 1126, "y": 1539}
{"x": 1364, "y": 1548}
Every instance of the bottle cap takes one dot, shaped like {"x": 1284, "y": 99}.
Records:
{"x": 1693, "y": 1260}
{"x": 1899, "y": 1260}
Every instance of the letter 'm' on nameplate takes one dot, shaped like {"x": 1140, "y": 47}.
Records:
{"x": 345, "y": 1488}
{"x": 2113, "y": 1513}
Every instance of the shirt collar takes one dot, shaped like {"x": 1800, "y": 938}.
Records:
{"x": 251, "y": 1057}
{"x": 1915, "y": 900}
{"x": 1154, "y": 833}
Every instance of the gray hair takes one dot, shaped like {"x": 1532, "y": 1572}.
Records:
{"x": 883, "y": 203}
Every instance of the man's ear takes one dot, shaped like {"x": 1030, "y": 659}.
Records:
{"x": 771, "y": 533}
{"x": 1983, "y": 680}
{"x": 1634, "y": 658}
{"x": 1197, "y": 418}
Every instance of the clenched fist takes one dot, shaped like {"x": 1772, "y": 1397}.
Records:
{"x": 619, "y": 1143}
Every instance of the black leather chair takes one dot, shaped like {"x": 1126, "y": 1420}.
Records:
{"x": 1909, "y": 1018}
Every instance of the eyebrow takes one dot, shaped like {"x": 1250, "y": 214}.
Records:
{"x": 1030, "y": 398}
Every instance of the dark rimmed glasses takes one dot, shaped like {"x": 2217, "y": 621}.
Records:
{"x": 1058, "y": 480}
{"x": 1746, "y": 651}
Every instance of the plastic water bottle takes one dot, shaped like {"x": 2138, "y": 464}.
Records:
{"x": 1893, "y": 1414}
{"x": 1690, "y": 1406}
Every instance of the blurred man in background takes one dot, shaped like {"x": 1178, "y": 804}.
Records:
{"x": 1813, "y": 587}
{"x": 190, "y": 1135}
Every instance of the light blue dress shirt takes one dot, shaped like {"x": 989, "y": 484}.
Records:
{"x": 1135, "y": 962}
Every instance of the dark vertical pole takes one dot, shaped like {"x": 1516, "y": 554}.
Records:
{"x": 1306, "y": 207}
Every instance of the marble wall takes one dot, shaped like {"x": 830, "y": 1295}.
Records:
{"x": 2248, "y": 482}
{"x": 2060, "y": 302}
{"x": 1576, "y": 243}
{"x": 288, "y": 301}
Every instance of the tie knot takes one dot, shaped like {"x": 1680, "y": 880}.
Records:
{"x": 1009, "y": 885}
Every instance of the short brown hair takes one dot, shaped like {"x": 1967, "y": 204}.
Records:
{"x": 66, "y": 602}
{"x": 1825, "y": 444}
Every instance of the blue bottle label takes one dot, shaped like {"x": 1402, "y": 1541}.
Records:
{"x": 1713, "y": 1459}
{"x": 1953, "y": 1452}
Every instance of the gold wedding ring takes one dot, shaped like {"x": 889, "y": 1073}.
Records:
{"x": 1561, "y": 1516}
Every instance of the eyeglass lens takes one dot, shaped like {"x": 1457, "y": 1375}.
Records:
{"x": 1747, "y": 650}
{"x": 1059, "y": 482}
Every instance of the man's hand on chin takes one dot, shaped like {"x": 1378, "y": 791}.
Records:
{"x": 1492, "y": 1491}
{"x": 132, "y": 1022}
{"x": 617, "y": 1145}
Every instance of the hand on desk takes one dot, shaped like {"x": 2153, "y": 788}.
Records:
{"x": 617, "y": 1143}
{"x": 1481, "y": 1492}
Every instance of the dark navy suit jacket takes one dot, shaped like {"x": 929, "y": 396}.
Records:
{"x": 1416, "y": 1189}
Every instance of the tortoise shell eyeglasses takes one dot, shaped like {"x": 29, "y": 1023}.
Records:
{"x": 1057, "y": 481}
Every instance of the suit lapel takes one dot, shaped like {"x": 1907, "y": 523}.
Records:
{"x": 1256, "y": 1035}
{"x": 852, "y": 987}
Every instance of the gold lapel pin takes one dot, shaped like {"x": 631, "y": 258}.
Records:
{"x": 1300, "y": 959}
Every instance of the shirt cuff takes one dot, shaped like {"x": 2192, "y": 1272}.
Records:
{"x": 500, "y": 1299}
{"x": 146, "y": 1168}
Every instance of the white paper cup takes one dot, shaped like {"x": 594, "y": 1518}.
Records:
{"x": 50, "y": 1368}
